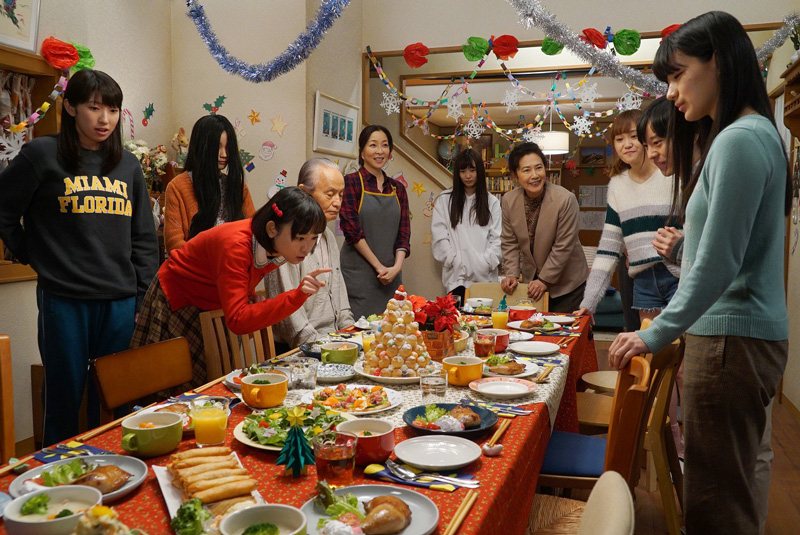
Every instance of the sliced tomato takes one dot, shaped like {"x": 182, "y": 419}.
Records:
{"x": 350, "y": 519}
{"x": 432, "y": 425}
{"x": 237, "y": 380}
{"x": 341, "y": 386}
{"x": 350, "y": 399}
{"x": 263, "y": 423}
{"x": 420, "y": 423}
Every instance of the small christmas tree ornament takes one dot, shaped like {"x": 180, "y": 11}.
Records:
{"x": 296, "y": 453}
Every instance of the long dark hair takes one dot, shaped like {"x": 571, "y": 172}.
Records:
{"x": 480, "y": 210}
{"x": 363, "y": 137}
{"x": 201, "y": 161}
{"x": 715, "y": 34}
{"x": 83, "y": 86}
{"x": 295, "y": 207}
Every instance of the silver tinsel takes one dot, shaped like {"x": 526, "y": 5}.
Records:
{"x": 531, "y": 13}
{"x": 295, "y": 54}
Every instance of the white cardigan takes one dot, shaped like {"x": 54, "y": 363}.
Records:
{"x": 468, "y": 253}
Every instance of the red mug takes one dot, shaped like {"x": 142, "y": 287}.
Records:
{"x": 519, "y": 313}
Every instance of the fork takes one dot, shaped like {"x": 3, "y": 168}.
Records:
{"x": 406, "y": 474}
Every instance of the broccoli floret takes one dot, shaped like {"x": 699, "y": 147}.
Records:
{"x": 64, "y": 512}
{"x": 261, "y": 529}
{"x": 36, "y": 505}
{"x": 191, "y": 519}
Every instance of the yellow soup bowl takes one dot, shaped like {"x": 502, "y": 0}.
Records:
{"x": 260, "y": 394}
{"x": 461, "y": 371}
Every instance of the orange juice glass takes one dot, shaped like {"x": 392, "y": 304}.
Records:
{"x": 210, "y": 420}
{"x": 499, "y": 318}
{"x": 367, "y": 339}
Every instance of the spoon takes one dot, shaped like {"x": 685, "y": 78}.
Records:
{"x": 404, "y": 473}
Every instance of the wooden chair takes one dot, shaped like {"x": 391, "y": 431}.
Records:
{"x": 493, "y": 290}
{"x": 7, "y": 444}
{"x": 609, "y": 511}
{"x": 577, "y": 461}
{"x": 133, "y": 374}
{"x": 226, "y": 351}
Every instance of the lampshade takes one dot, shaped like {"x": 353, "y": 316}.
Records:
{"x": 554, "y": 142}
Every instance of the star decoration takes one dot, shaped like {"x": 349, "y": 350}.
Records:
{"x": 254, "y": 117}
{"x": 419, "y": 188}
{"x": 474, "y": 128}
{"x": 588, "y": 94}
{"x": 454, "y": 110}
{"x": 11, "y": 145}
{"x": 278, "y": 125}
{"x": 428, "y": 238}
{"x": 504, "y": 170}
{"x": 582, "y": 125}
{"x": 511, "y": 100}
{"x": 296, "y": 415}
{"x": 629, "y": 101}
{"x": 391, "y": 103}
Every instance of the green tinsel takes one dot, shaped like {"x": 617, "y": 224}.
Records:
{"x": 550, "y": 47}
{"x": 475, "y": 49}
{"x": 86, "y": 60}
{"x": 627, "y": 42}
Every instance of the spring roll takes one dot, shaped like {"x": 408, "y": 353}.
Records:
{"x": 214, "y": 474}
{"x": 194, "y": 461}
{"x": 207, "y": 467}
{"x": 199, "y": 452}
{"x": 229, "y": 490}
{"x": 206, "y": 484}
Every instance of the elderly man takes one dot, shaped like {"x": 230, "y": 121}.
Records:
{"x": 328, "y": 310}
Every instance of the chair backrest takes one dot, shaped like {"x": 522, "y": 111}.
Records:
{"x": 226, "y": 351}
{"x": 7, "y": 443}
{"x": 609, "y": 510}
{"x": 493, "y": 290}
{"x": 133, "y": 374}
{"x": 627, "y": 424}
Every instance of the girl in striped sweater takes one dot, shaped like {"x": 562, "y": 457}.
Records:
{"x": 639, "y": 202}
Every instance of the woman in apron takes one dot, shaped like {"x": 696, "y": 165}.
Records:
{"x": 376, "y": 226}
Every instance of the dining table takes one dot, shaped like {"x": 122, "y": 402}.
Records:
{"x": 507, "y": 481}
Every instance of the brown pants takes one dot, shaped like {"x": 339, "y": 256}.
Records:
{"x": 729, "y": 382}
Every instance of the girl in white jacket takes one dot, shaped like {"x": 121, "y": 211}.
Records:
{"x": 466, "y": 227}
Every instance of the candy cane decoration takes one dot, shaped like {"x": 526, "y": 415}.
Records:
{"x": 127, "y": 113}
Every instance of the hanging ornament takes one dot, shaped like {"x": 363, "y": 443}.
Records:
{"x": 148, "y": 113}
{"x": 533, "y": 135}
{"x": 474, "y": 128}
{"x": 668, "y": 30}
{"x": 454, "y": 110}
{"x": 85, "y": 58}
{"x": 213, "y": 108}
{"x": 593, "y": 37}
{"x": 550, "y": 47}
{"x": 629, "y": 101}
{"x": 11, "y": 145}
{"x": 511, "y": 100}
{"x": 294, "y": 55}
{"x": 475, "y": 49}
{"x": 588, "y": 94}
{"x": 415, "y": 55}
{"x": 627, "y": 42}
{"x": 505, "y": 47}
{"x": 582, "y": 125}
{"x": 59, "y": 54}
{"x": 425, "y": 128}
{"x": 391, "y": 103}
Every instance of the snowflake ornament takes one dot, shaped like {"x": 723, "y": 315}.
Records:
{"x": 588, "y": 94}
{"x": 582, "y": 125}
{"x": 391, "y": 103}
{"x": 426, "y": 129}
{"x": 629, "y": 101}
{"x": 511, "y": 100}
{"x": 11, "y": 145}
{"x": 534, "y": 135}
{"x": 474, "y": 128}
{"x": 454, "y": 110}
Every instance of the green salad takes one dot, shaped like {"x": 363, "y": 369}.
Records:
{"x": 64, "y": 474}
{"x": 272, "y": 427}
{"x": 497, "y": 360}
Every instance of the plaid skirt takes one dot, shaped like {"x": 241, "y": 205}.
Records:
{"x": 157, "y": 322}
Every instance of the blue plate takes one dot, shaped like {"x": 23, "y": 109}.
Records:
{"x": 488, "y": 419}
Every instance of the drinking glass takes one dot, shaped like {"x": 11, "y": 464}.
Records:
{"x": 335, "y": 457}
{"x": 499, "y": 318}
{"x": 433, "y": 385}
{"x": 367, "y": 339}
{"x": 210, "y": 420}
{"x": 304, "y": 372}
{"x": 484, "y": 344}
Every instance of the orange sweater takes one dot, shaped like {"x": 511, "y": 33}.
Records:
{"x": 181, "y": 206}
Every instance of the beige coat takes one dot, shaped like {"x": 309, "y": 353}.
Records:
{"x": 557, "y": 258}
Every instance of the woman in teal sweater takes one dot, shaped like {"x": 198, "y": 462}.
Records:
{"x": 731, "y": 298}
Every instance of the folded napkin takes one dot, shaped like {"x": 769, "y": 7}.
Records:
{"x": 70, "y": 450}
{"x": 379, "y": 471}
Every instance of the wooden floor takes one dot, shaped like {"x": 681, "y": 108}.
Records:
{"x": 784, "y": 494}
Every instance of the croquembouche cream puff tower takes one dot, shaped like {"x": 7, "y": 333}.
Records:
{"x": 399, "y": 350}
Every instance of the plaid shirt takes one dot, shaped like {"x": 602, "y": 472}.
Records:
{"x": 351, "y": 227}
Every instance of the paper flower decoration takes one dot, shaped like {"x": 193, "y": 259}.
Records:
{"x": 475, "y": 49}
{"x": 505, "y": 47}
{"x": 593, "y": 37}
{"x": 550, "y": 47}
{"x": 627, "y": 42}
{"x": 86, "y": 60}
{"x": 296, "y": 415}
{"x": 668, "y": 30}
{"x": 59, "y": 54}
{"x": 414, "y": 55}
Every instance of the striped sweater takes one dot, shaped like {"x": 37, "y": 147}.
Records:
{"x": 634, "y": 214}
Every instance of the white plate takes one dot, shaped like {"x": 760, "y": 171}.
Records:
{"x": 518, "y": 336}
{"x": 437, "y": 452}
{"x": 518, "y": 325}
{"x": 334, "y": 373}
{"x": 534, "y": 348}
{"x": 424, "y": 513}
{"x": 135, "y": 467}
{"x": 359, "y": 369}
{"x": 561, "y": 320}
{"x": 395, "y": 399}
{"x": 502, "y": 387}
{"x": 530, "y": 369}
{"x": 241, "y": 436}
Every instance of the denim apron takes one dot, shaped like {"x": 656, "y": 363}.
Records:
{"x": 379, "y": 217}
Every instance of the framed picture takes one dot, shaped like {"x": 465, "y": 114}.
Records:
{"x": 19, "y": 24}
{"x": 593, "y": 156}
{"x": 335, "y": 124}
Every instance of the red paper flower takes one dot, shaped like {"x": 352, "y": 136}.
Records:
{"x": 668, "y": 30}
{"x": 593, "y": 37}
{"x": 414, "y": 55}
{"x": 59, "y": 54}
{"x": 505, "y": 47}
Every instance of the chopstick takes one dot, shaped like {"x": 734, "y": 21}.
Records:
{"x": 103, "y": 428}
{"x": 499, "y": 433}
{"x": 461, "y": 512}
{"x": 209, "y": 385}
{"x": 544, "y": 374}
{"x": 10, "y": 467}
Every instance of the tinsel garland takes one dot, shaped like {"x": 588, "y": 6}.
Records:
{"x": 294, "y": 55}
{"x": 531, "y": 13}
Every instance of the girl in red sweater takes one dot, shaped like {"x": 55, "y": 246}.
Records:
{"x": 220, "y": 268}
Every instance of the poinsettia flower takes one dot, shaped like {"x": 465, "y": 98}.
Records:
{"x": 417, "y": 302}
{"x": 593, "y": 37}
